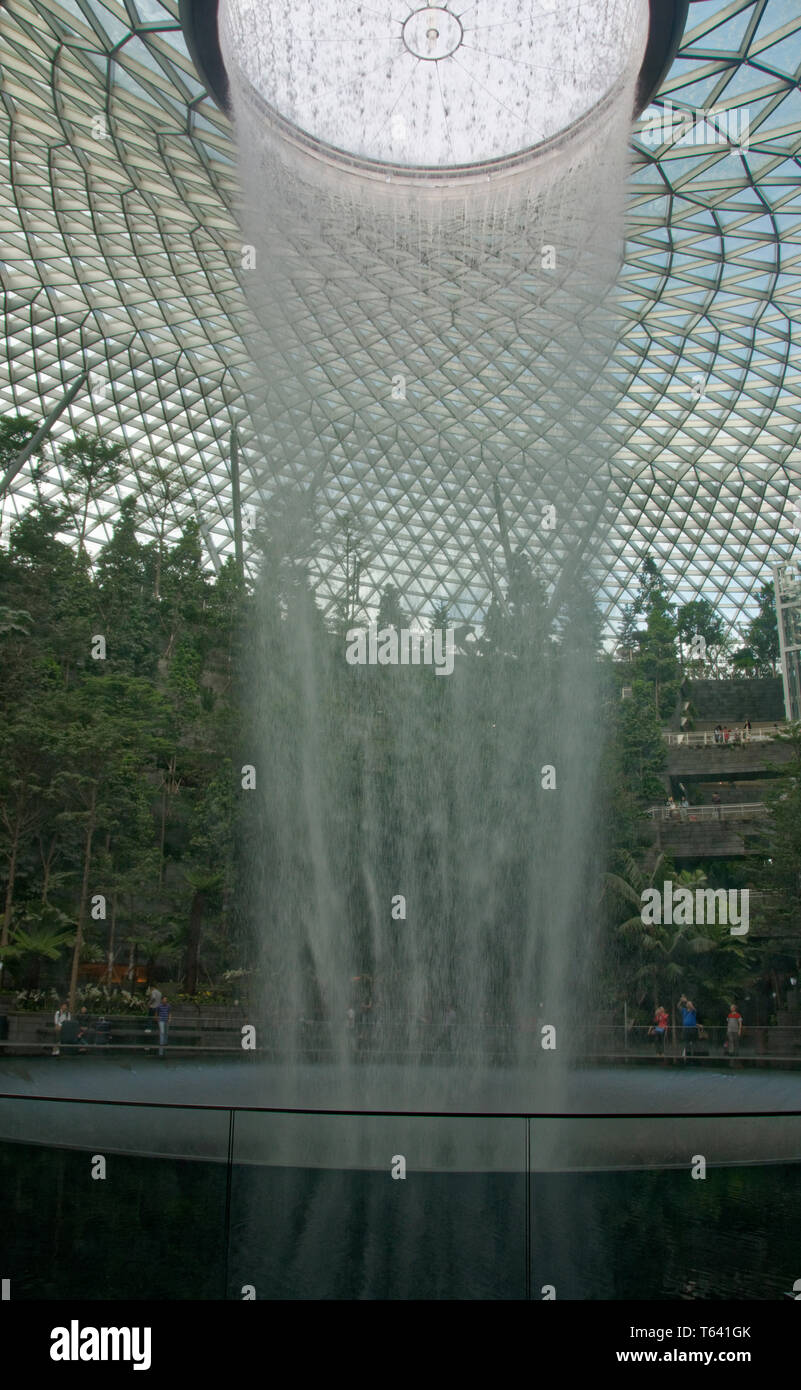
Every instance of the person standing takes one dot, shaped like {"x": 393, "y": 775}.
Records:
{"x": 660, "y": 1028}
{"x": 62, "y": 1015}
{"x": 689, "y": 1025}
{"x": 734, "y": 1030}
{"x": 716, "y": 803}
{"x": 163, "y": 1014}
{"x": 747, "y": 731}
{"x": 153, "y": 1001}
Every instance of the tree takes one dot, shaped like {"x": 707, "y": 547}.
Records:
{"x": 15, "y": 620}
{"x": 627, "y": 636}
{"x": 762, "y": 634}
{"x": 698, "y": 619}
{"x": 128, "y": 610}
{"x": 744, "y": 662}
{"x": 390, "y": 610}
{"x": 161, "y": 491}
{"x": 15, "y": 432}
{"x": 85, "y": 745}
{"x": 664, "y": 956}
{"x": 26, "y": 770}
{"x": 640, "y": 747}
{"x": 210, "y": 875}
{"x": 184, "y": 587}
{"x": 441, "y": 617}
{"x": 47, "y": 578}
{"x": 651, "y": 585}
{"x": 113, "y": 730}
{"x": 780, "y": 874}
{"x": 93, "y": 465}
{"x": 654, "y": 643}
{"x": 656, "y": 660}
{"x": 43, "y": 935}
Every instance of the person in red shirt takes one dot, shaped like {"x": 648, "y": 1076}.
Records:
{"x": 660, "y": 1027}
{"x": 734, "y": 1028}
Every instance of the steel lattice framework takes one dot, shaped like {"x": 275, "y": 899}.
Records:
{"x": 121, "y": 256}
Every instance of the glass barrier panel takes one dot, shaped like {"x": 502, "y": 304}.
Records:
{"x": 377, "y": 1207}
{"x": 112, "y": 1201}
{"x": 665, "y": 1207}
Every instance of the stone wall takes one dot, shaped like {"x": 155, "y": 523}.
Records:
{"x": 731, "y": 702}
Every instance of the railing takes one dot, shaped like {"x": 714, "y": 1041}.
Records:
{"x": 745, "y": 810}
{"x": 34, "y": 1032}
{"x": 397, "y": 1040}
{"x": 714, "y": 1042}
{"x": 706, "y": 739}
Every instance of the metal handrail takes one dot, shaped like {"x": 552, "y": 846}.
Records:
{"x": 705, "y": 738}
{"x": 403, "y": 1114}
{"x": 745, "y": 810}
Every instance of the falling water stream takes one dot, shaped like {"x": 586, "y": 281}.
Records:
{"x": 434, "y": 345}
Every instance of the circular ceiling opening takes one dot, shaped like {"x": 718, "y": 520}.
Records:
{"x": 442, "y": 86}
{"x": 434, "y": 90}
{"x": 666, "y": 25}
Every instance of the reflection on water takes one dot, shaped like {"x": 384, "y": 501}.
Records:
{"x": 155, "y": 1228}
{"x": 664, "y": 1235}
{"x": 356, "y": 1235}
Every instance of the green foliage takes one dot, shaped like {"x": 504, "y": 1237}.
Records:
{"x": 390, "y": 610}
{"x": 762, "y": 636}
{"x": 93, "y": 465}
{"x": 120, "y": 775}
{"x": 656, "y": 659}
{"x": 110, "y": 769}
{"x": 693, "y": 620}
{"x": 15, "y": 431}
{"x": 654, "y": 962}
{"x": 641, "y": 752}
{"x": 780, "y": 874}
{"x": 661, "y": 644}
{"x": 96, "y": 998}
{"x": 648, "y": 640}
{"x": 39, "y": 938}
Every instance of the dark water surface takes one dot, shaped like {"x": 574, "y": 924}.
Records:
{"x": 157, "y": 1228}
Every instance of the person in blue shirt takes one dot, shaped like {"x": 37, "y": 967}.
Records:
{"x": 689, "y": 1025}
{"x": 163, "y": 1014}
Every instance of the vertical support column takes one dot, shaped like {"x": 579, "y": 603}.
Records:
{"x": 239, "y": 547}
{"x": 788, "y": 652}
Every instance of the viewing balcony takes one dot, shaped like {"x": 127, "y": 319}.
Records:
{"x": 705, "y": 738}
{"x": 696, "y": 754}
{"x": 710, "y": 832}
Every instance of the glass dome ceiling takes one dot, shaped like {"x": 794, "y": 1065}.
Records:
{"x": 121, "y": 256}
